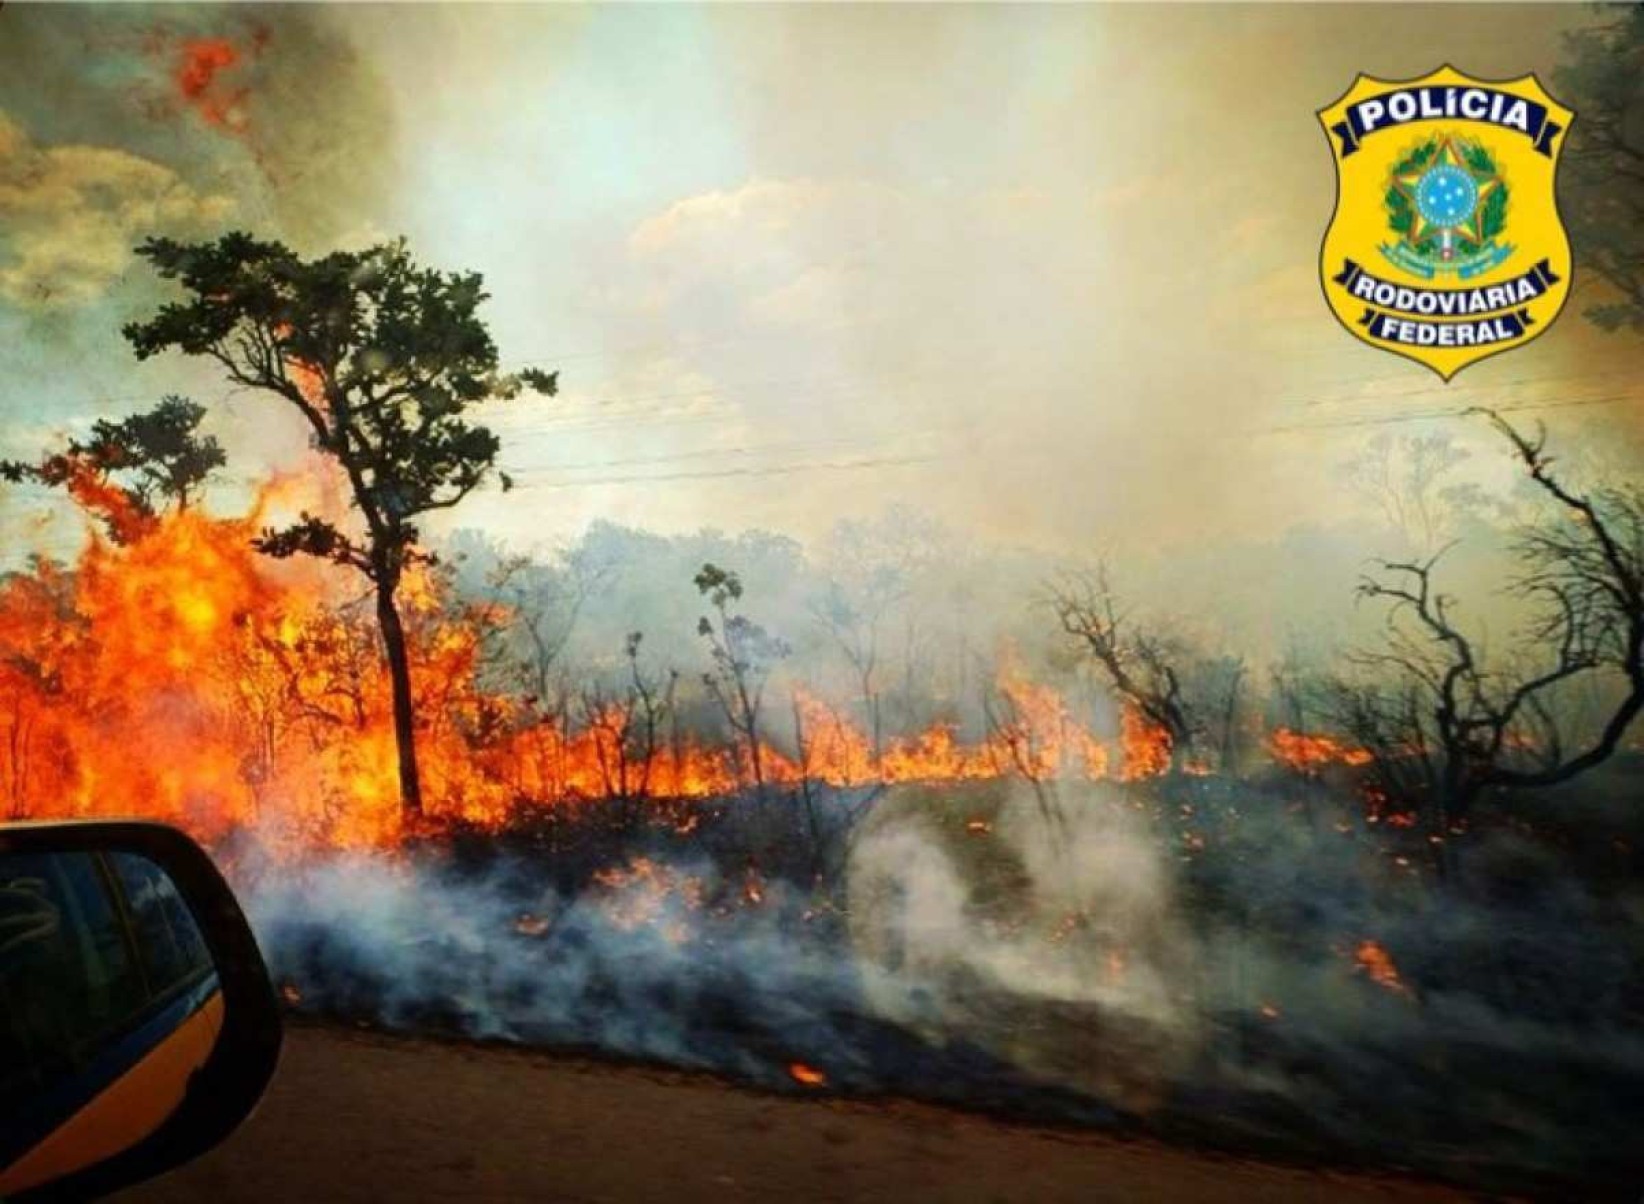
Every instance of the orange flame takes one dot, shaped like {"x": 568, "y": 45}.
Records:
{"x": 1309, "y": 753}
{"x": 807, "y": 1076}
{"x": 108, "y": 502}
{"x": 182, "y": 676}
{"x": 198, "y": 76}
{"x": 1146, "y": 747}
{"x": 1373, "y": 960}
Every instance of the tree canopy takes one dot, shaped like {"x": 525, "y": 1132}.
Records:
{"x": 380, "y": 356}
{"x": 128, "y": 470}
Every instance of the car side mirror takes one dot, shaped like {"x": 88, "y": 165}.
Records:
{"x": 138, "y": 1027}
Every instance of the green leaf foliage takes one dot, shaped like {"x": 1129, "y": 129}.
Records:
{"x": 152, "y": 459}
{"x": 382, "y": 357}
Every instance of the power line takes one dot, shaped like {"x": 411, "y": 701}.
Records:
{"x": 1425, "y": 388}
{"x": 1450, "y": 412}
{"x": 694, "y": 454}
{"x": 719, "y": 474}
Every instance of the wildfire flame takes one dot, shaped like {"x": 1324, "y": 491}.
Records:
{"x": 807, "y": 1076}
{"x": 202, "y": 74}
{"x": 1146, "y": 746}
{"x": 644, "y": 892}
{"x": 1309, "y": 753}
{"x": 1373, "y": 961}
{"x": 179, "y": 675}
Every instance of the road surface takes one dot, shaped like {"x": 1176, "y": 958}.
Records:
{"x": 363, "y": 1116}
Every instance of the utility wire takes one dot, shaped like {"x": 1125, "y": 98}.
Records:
{"x": 1449, "y": 412}
{"x": 719, "y": 474}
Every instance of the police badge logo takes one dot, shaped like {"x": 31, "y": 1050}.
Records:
{"x": 1446, "y": 244}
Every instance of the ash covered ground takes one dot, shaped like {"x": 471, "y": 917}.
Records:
{"x": 1241, "y": 965}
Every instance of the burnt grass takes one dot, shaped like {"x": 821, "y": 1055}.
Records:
{"x": 1505, "y": 1060}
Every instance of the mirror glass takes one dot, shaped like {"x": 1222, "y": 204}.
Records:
{"x": 109, "y": 1003}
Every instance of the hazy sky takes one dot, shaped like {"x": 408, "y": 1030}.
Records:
{"x": 1047, "y": 273}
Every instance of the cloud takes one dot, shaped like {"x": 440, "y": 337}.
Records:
{"x": 277, "y": 107}
{"x": 821, "y": 253}
{"x": 780, "y": 245}
{"x": 69, "y": 216}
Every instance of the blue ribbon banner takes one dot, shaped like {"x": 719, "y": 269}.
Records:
{"x": 1411, "y": 332}
{"x": 1445, "y": 302}
{"x": 1446, "y": 102}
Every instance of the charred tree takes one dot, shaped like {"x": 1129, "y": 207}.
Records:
{"x": 1446, "y": 722}
{"x": 1230, "y": 744}
{"x": 380, "y": 358}
{"x": 1009, "y": 728}
{"x": 1141, "y": 666}
{"x": 628, "y": 733}
{"x": 652, "y": 700}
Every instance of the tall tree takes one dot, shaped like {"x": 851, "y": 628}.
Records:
{"x": 381, "y": 358}
{"x": 1602, "y": 196}
{"x": 743, "y": 654}
{"x": 128, "y": 471}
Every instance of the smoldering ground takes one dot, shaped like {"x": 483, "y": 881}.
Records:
{"x": 1181, "y": 958}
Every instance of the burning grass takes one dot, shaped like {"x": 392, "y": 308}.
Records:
{"x": 1037, "y": 915}
{"x": 259, "y": 681}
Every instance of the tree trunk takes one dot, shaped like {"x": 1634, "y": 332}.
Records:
{"x": 399, "y": 676}
{"x": 757, "y": 761}
{"x": 870, "y": 703}
{"x": 1230, "y": 719}
{"x": 750, "y": 732}
{"x": 1455, "y": 796}
{"x": 805, "y": 792}
{"x": 1180, "y": 749}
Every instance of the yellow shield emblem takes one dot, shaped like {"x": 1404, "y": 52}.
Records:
{"x": 1446, "y": 245}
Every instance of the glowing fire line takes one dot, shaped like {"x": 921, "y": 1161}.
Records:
{"x": 182, "y": 676}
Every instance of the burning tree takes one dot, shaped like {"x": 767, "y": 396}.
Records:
{"x": 743, "y": 654}
{"x": 1140, "y": 665}
{"x": 381, "y": 358}
{"x": 628, "y": 730}
{"x": 1452, "y": 722}
{"x": 129, "y": 471}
